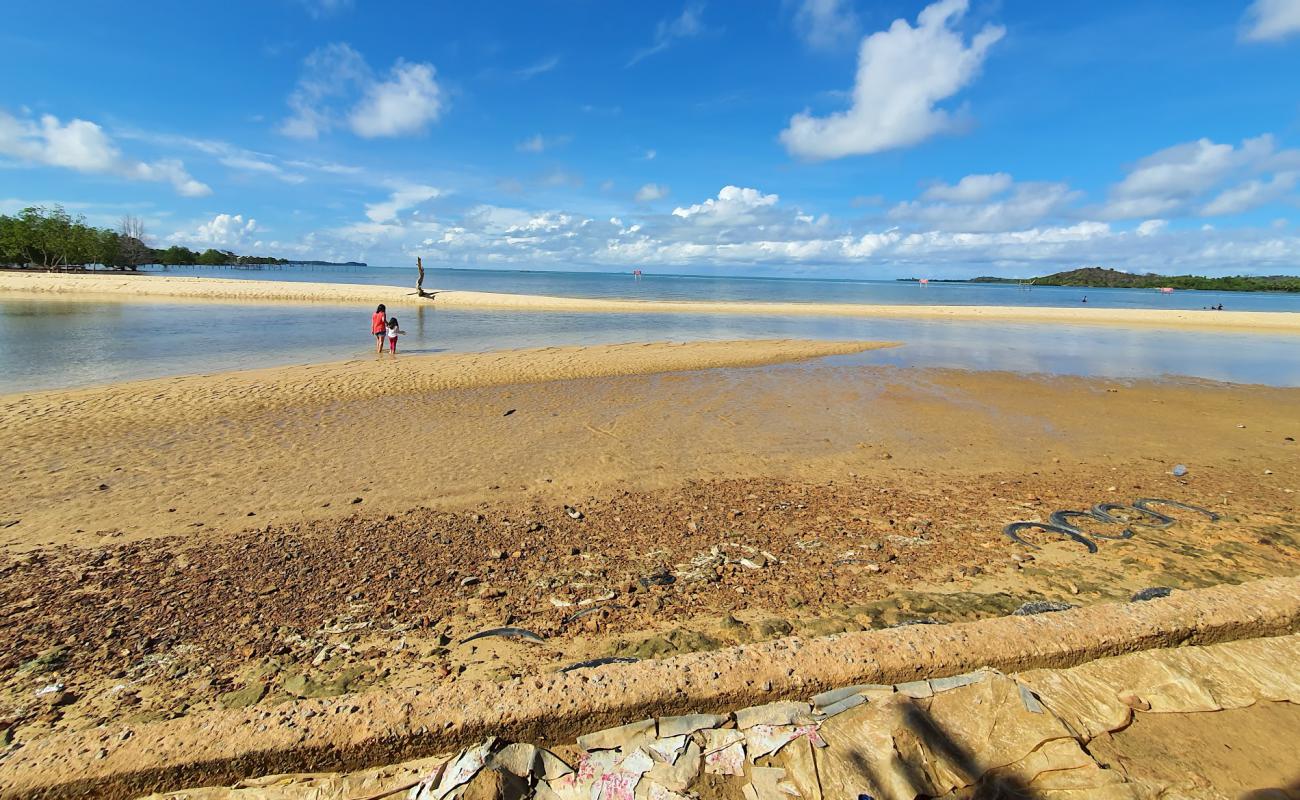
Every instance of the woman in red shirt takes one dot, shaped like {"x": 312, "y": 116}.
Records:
{"x": 378, "y": 326}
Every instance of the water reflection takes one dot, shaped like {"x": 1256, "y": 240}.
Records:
{"x": 51, "y": 344}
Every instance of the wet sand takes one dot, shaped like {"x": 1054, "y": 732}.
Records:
{"x": 157, "y": 287}
{"x": 200, "y": 454}
{"x": 310, "y": 531}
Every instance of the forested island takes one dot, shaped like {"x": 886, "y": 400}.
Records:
{"x": 51, "y": 238}
{"x": 1102, "y": 277}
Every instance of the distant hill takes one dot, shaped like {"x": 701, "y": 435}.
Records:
{"x": 1103, "y": 277}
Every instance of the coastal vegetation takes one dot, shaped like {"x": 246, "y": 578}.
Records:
{"x": 1103, "y": 277}
{"x": 51, "y": 238}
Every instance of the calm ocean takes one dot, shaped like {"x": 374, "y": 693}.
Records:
{"x": 50, "y": 344}
{"x": 796, "y": 290}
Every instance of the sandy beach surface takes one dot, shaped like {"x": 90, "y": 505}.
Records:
{"x": 247, "y": 538}
{"x": 158, "y": 287}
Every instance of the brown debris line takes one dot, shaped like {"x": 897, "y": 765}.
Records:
{"x": 384, "y": 727}
{"x": 234, "y": 595}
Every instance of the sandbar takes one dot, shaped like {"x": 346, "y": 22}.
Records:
{"x": 191, "y": 289}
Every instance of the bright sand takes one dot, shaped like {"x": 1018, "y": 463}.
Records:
{"x": 201, "y": 453}
{"x": 122, "y": 287}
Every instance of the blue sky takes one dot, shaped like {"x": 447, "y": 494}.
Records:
{"x": 786, "y": 137}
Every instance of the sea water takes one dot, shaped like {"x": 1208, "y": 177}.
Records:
{"x": 48, "y": 344}
{"x": 756, "y": 289}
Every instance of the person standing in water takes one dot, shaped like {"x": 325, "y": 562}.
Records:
{"x": 379, "y": 327}
{"x": 393, "y": 332}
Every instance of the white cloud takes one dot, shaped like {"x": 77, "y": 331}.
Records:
{"x": 224, "y": 231}
{"x": 650, "y": 155}
{"x": 337, "y": 76}
{"x": 533, "y": 70}
{"x": 902, "y": 73}
{"x": 970, "y": 189}
{"x": 748, "y": 229}
{"x": 330, "y": 73}
{"x": 651, "y": 192}
{"x": 404, "y": 196}
{"x": 1170, "y": 180}
{"x": 1151, "y": 227}
{"x": 826, "y": 24}
{"x": 683, "y": 26}
{"x": 538, "y": 143}
{"x": 1271, "y": 20}
{"x": 732, "y": 205}
{"x": 1251, "y": 195}
{"x": 325, "y": 8}
{"x": 226, "y": 154}
{"x": 1027, "y": 205}
{"x": 328, "y": 167}
{"x": 84, "y": 147}
{"x": 404, "y": 104}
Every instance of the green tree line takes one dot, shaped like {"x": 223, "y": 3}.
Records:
{"x": 1103, "y": 277}
{"x": 51, "y": 238}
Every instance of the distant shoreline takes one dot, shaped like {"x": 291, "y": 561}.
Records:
{"x": 185, "y": 289}
{"x": 1103, "y": 278}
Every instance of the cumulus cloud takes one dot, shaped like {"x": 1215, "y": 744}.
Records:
{"x": 825, "y": 24}
{"x": 732, "y": 205}
{"x": 1151, "y": 227}
{"x": 902, "y": 74}
{"x": 1170, "y": 180}
{"x": 970, "y": 189}
{"x": 1028, "y": 204}
{"x": 1271, "y": 20}
{"x": 651, "y": 192}
{"x": 404, "y": 196}
{"x": 405, "y": 103}
{"x": 83, "y": 146}
{"x": 337, "y": 86}
{"x": 683, "y": 26}
{"x": 1251, "y": 195}
{"x": 224, "y": 232}
{"x": 746, "y": 227}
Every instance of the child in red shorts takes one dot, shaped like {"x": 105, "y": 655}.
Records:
{"x": 393, "y": 333}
